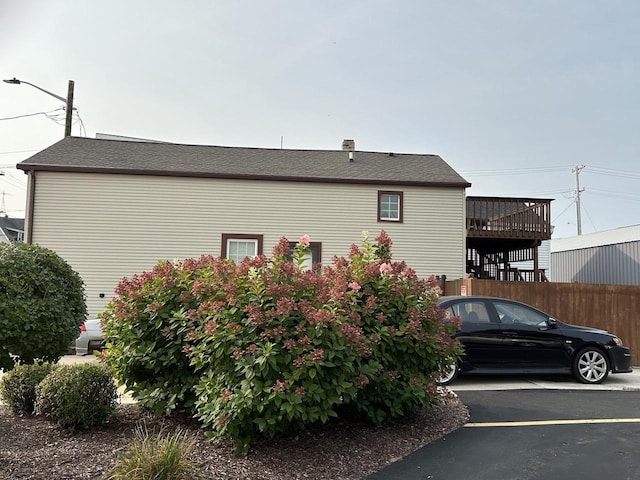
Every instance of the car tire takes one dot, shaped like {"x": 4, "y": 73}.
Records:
{"x": 449, "y": 374}
{"x": 590, "y": 366}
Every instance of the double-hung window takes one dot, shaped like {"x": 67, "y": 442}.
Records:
{"x": 389, "y": 206}
{"x": 237, "y": 247}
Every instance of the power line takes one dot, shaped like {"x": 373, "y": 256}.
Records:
{"x": 568, "y": 194}
{"x": 513, "y": 171}
{"x": 532, "y": 194}
{"x": 618, "y": 175}
{"x": 610, "y": 172}
{"x": 589, "y": 216}
{"x": 8, "y": 177}
{"x": 617, "y": 170}
{"x": 614, "y": 192}
{"x": 17, "y": 151}
{"x": 561, "y": 213}
{"x": 13, "y": 182}
{"x": 621, "y": 196}
{"x": 82, "y": 129}
{"x": 15, "y": 210}
{"x": 46, "y": 114}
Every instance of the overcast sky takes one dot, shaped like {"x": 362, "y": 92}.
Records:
{"x": 512, "y": 94}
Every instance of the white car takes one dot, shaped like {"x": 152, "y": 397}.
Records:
{"x": 91, "y": 337}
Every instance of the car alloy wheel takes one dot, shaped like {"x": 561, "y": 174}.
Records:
{"x": 448, "y": 374}
{"x": 591, "y": 366}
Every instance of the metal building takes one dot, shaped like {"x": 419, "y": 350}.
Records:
{"x": 608, "y": 257}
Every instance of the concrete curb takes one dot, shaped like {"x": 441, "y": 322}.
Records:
{"x": 619, "y": 382}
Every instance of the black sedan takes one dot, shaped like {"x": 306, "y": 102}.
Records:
{"x": 504, "y": 336}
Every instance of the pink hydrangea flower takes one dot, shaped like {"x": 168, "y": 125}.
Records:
{"x": 304, "y": 240}
{"x": 316, "y": 354}
{"x": 385, "y": 268}
{"x": 355, "y": 286}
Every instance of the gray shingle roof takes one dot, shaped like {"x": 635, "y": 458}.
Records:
{"x": 11, "y": 227}
{"x": 74, "y": 154}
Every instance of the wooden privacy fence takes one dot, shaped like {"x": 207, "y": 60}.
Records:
{"x": 615, "y": 308}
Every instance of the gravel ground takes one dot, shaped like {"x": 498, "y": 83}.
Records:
{"x": 32, "y": 448}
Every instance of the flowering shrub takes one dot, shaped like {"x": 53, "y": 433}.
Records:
{"x": 146, "y": 330}
{"x": 266, "y": 346}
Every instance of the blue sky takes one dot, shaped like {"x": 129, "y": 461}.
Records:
{"x": 512, "y": 94}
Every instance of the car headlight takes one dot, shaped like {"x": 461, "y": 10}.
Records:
{"x": 617, "y": 341}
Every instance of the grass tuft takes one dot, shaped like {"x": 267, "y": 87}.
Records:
{"x": 161, "y": 456}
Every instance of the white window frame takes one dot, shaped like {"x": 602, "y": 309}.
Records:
{"x": 229, "y": 239}
{"x": 383, "y": 213}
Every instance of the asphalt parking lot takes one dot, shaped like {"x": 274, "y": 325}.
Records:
{"x": 534, "y": 434}
{"x": 541, "y": 427}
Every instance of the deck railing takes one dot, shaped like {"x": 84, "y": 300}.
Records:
{"x": 499, "y": 217}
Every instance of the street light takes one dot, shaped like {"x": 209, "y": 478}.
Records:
{"x": 68, "y": 101}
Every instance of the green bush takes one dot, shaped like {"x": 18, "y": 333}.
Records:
{"x": 145, "y": 331}
{"x": 42, "y": 305}
{"x": 77, "y": 396}
{"x": 265, "y": 346}
{"x": 18, "y": 386}
{"x": 163, "y": 456}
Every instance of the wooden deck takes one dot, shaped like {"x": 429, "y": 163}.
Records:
{"x": 508, "y": 218}
{"x": 501, "y": 231}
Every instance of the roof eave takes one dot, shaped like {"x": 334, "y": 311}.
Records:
{"x": 236, "y": 176}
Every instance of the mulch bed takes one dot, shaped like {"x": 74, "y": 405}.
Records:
{"x": 33, "y": 448}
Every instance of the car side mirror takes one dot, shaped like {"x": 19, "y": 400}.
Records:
{"x": 552, "y": 322}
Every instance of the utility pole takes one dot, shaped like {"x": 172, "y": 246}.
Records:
{"x": 68, "y": 101}
{"x": 69, "y": 110}
{"x": 577, "y": 171}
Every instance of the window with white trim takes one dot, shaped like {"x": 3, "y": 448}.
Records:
{"x": 389, "y": 206}
{"x": 237, "y": 247}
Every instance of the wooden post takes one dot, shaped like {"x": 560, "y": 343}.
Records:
{"x": 69, "y": 113}
{"x": 505, "y": 258}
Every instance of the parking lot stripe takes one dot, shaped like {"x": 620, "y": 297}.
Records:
{"x": 552, "y": 422}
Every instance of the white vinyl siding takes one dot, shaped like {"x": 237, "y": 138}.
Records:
{"x": 108, "y": 226}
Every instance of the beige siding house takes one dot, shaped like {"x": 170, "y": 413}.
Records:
{"x": 114, "y": 208}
